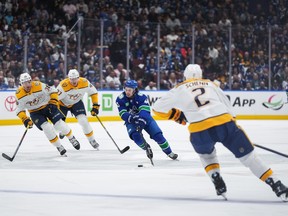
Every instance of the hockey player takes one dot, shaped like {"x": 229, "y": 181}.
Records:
{"x": 41, "y": 101}
{"x": 134, "y": 109}
{"x": 71, "y": 91}
{"x": 209, "y": 114}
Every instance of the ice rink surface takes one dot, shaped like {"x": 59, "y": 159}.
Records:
{"x": 41, "y": 183}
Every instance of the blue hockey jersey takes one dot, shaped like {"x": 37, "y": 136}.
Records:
{"x": 138, "y": 104}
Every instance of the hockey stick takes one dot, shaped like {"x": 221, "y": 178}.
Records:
{"x": 271, "y": 150}
{"x": 121, "y": 151}
{"x": 148, "y": 149}
{"x": 12, "y": 158}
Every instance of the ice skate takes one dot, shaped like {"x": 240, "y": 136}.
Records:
{"x": 219, "y": 185}
{"x": 173, "y": 156}
{"x": 149, "y": 151}
{"x": 75, "y": 143}
{"x": 94, "y": 144}
{"x": 280, "y": 189}
{"x": 61, "y": 150}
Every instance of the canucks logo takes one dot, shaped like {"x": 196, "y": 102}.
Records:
{"x": 274, "y": 102}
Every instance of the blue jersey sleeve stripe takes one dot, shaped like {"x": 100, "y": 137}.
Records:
{"x": 144, "y": 107}
{"x": 122, "y": 112}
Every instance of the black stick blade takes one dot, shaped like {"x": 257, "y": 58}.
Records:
{"x": 125, "y": 149}
{"x": 7, "y": 157}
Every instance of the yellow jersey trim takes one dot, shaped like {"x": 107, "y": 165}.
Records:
{"x": 210, "y": 122}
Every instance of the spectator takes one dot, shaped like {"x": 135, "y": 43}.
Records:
{"x": 70, "y": 10}
{"x": 112, "y": 80}
{"x": 172, "y": 36}
{"x": 11, "y": 84}
{"x": 82, "y": 8}
{"x": 172, "y": 22}
{"x": 213, "y": 52}
{"x": 262, "y": 86}
{"x": 172, "y": 81}
{"x": 109, "y": 36}
{"x": 224, "y": 22}
{"x": 151, "y": 86}
{"x": 3, "y": 85}
{"x": 121, "y": 73}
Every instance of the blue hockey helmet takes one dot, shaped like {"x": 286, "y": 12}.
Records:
{"x": 131, "y": 84}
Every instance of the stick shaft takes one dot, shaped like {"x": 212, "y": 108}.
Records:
{"x": 271, "y": 150}
{"x": 12, "y": 158}
{"x": 121, "y": 151}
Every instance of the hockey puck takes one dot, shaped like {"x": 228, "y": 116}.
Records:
{"x": 140, "y": 165}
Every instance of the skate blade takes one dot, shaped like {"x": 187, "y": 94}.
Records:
{"x": 284, "y": 197}
{"x": 64, "y": 155}
{"x": 224, "y": 196}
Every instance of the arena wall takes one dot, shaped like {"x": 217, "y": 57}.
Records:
{"x": 247, "y": 105}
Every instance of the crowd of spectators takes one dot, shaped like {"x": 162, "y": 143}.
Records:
{"x": 45, "y": 23}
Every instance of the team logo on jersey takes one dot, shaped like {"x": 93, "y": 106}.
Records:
{"x": 34, "y": 102}
{"x": 74, "y": 96}
{"x": 10, "y": 103}
{"x": 134, "y": 109}
{"x": 274, "y": 102}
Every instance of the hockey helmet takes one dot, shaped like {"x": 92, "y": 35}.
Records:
{"x": 73, "y": 74}
{"x": 131, "y": 84}
{"x": 24, "y": 77}
{"x": 193, "y": 71}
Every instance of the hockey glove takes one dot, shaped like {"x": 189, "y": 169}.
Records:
{"x": 139, "y": 121}
{"x": 95, "y": 109}
{"x": 131, "y": 119}
{"x": 178, "y": 116}
{"x": 28, "y": 123}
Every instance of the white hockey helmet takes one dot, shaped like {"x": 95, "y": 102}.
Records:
{"x": 25, "y": 77}
{"x": 73, "y": 73}
{"x": 193, "y": 71}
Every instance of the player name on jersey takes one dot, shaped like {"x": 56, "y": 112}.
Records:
{"x": 196, "y": 83}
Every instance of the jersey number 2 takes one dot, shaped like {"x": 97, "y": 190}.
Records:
{"x": 198, "y": 102}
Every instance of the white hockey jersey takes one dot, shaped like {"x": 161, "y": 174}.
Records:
{"x": 36, "y": 99}
{"x": 203, "y": 103}
{"x": 69, "y": 94}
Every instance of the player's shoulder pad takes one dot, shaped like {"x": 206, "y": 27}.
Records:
{"x": 141, "y": 96}
{"x": 65, "y": 85}
{"x": 83, "y": 82}
{"x": 82, "y": 79}
{"x": 36, "y": 86}
{"x": 121, "y": 96}
{"x": 20, "y": 92}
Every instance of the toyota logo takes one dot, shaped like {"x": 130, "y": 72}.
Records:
{"x": 10, "y": 103}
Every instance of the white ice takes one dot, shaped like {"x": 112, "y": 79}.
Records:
{"x": 41, "y": 183}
